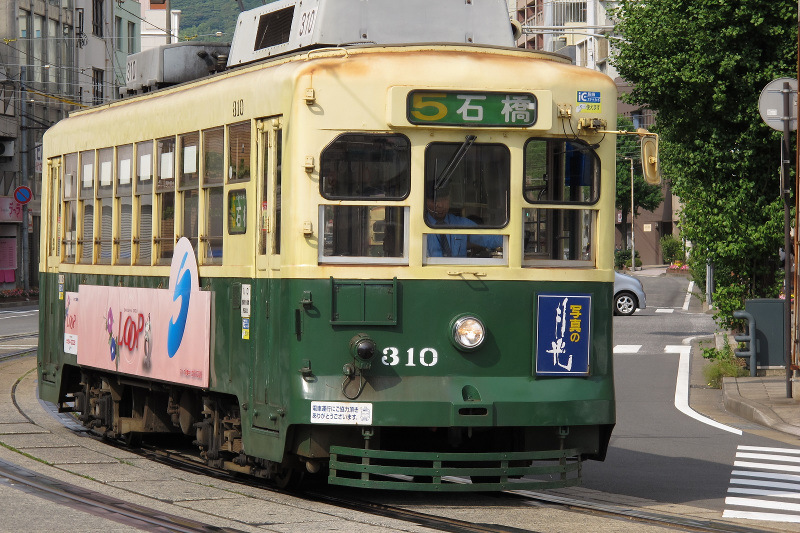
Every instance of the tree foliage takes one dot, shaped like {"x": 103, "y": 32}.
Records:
{"x": 701, "y": 65}
{"x": 645, "y": 196}
{"x": 202, "y": 19}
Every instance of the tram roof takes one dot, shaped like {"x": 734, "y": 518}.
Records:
{"x": 291, "y": 25}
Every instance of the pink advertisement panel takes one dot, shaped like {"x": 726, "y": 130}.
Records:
{"x": 71, "y": 323}
{"x": 153, "y": 333}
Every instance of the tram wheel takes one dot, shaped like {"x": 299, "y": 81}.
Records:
{"x": 290, "y": 478}
{"x": 133, "y": 439}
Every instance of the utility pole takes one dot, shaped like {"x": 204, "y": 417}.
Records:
{"x": 633, "y": 228}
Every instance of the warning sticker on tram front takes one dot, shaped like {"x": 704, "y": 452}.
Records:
{"x": 23, "y": 194}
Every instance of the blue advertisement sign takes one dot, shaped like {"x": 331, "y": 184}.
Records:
{"x": 562, "y": 334}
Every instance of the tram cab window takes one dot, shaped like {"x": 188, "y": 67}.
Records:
{"x": 165, "y": 194}
{"x": 466, "y": 188}
{"x": 364, "y": 167}
{"x": 562, "y": 172}
{"x": 105, "y": 203}
{"x": 87, "y": 203}
{"x": 70, "y": 190}
{"x": 124, "y": 189}
{"x": 144, "y": 202}
{"x": 373, "y": 170}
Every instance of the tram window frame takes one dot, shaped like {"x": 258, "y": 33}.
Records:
{"x": 143, "y": 202}
{"x": 212, "y": 183}
{"x": 165, "y": 199}
{"x": 454, "y": 202}
{"x": 240, "y": 153}
{"x": 105, "y": 205}
{"x": 188, "y": 186}
{"x": 351, "y": 154}
{"x": 556, "y": 233}
{"x": 544, "y": 190}
{"x": 123, "y": 180}
{"x": 327, "y": 252}
{"x": 86, "y": 199}
{"x": 70, "y": 210}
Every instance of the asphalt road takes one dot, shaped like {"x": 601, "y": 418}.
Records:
{"x": 658, "y": 452}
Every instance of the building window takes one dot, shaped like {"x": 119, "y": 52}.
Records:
{"x": 131, "y": 38}
{"x": 118, "y": 33}
{"x": 97, "y": 86}
{"x": 566, "y": 11}
{"x": 97, "y": 18}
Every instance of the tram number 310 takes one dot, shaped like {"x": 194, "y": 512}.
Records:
{"x": 238, "y": 108}
{"x": 427, "y": 357}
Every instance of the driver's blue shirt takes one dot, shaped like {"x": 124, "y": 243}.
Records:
{"x": 457, "y": 243}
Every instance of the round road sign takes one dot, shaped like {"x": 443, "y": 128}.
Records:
{"x": 771, "y": 103}
{"x": 23, "y": 194}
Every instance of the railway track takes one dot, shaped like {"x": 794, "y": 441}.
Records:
{"x": 389, "y": 506}
{"x": 355, "y": 500}
{"x": 17, "y": 352}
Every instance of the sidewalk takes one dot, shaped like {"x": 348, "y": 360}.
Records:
{"x": 763, "y": 400}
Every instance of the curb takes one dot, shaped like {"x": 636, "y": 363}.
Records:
{"x": 752, "y": 410}
{"x": 19, "y": 303}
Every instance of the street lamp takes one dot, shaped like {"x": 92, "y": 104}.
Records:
{"x": 633, "y": 229}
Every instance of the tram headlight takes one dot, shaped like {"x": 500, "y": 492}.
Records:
{"x": 468, "y": 332}
{"x": 362, "y": 348}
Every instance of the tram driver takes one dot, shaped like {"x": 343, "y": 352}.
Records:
{"x": 437, "y": 213}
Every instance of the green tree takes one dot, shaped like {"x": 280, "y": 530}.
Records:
{"x": 645, "y": 196}
{"x": 202, "y": 19}
{"x": 701, "y": 65}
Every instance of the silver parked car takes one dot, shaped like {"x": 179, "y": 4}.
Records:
{"x": 628, "y": 294}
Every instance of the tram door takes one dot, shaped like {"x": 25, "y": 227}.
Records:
{"x": 266, "y": 398}
{"x": 54, "y": 302}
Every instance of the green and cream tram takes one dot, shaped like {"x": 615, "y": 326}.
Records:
{"x": 387, "y": 261}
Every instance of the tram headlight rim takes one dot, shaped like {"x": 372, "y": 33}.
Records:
{"x": 457, "y": 335}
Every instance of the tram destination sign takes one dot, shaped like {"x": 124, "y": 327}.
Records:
{"x": 486, "y": 109}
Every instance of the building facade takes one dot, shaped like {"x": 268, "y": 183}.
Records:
{"x": 55, "y": 56}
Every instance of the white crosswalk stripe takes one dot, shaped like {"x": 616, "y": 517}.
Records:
{"x": 762, "y": 484}
{"x": 627, "y": 348}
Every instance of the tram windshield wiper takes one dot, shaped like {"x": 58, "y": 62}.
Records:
{"x": 447, "y": 173}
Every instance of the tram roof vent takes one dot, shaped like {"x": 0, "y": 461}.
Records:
{"x": 290, "y": 25}
{"x": 171, "y": 64}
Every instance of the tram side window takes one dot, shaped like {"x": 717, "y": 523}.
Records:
{"x": 188, "y": 186}
{"x": 144, "y": 202}
{"x": 558, "y": 235}
{"x": 365, "y": 167}
{"x": 86, "y": 206}
{"x": 70, "y": 185}
{"x": 213, "y": 181}
{"x": 123, "y": 193}
{"x": 239, "y": 152}
{"x": 165, "y": 198}
{"x": 466, "y": 187}
{"x": 563, "y": 172}
{"x": 105, "y": 202}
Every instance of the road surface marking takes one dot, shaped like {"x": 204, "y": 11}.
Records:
{"x": 682, "y": 389}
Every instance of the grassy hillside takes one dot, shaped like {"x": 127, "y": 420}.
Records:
{"x": 202, "y": 19}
